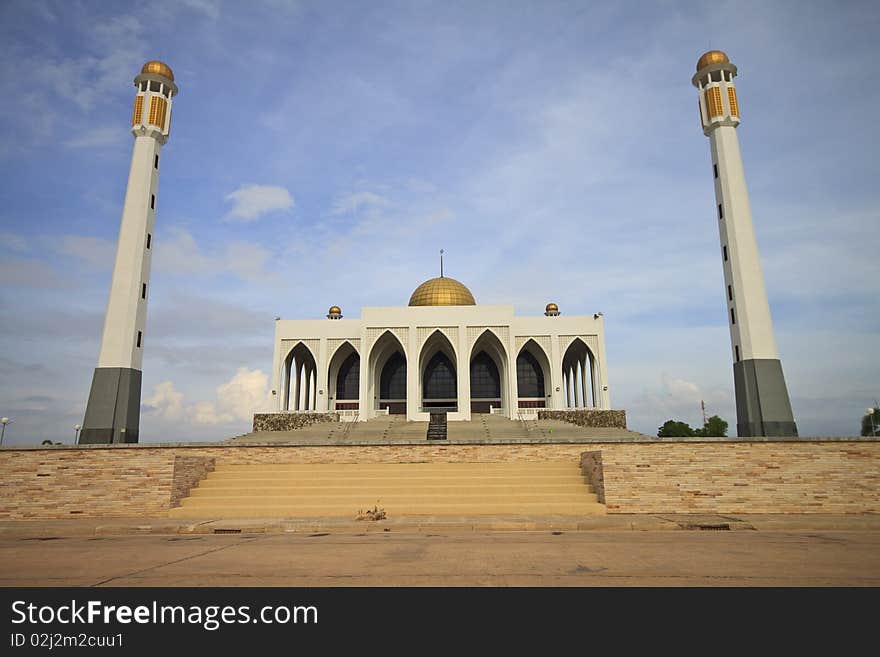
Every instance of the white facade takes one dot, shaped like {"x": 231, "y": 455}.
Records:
{"x": 569, "y": 351}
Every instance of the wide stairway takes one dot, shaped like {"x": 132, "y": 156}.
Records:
{"x": 401, "y": 489}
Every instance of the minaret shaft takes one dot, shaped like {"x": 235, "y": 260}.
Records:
{"x": 763, "y": 407}
{"x": 113, "y": 411}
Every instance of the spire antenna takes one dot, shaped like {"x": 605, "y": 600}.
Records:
{"x": 441, "y": 263}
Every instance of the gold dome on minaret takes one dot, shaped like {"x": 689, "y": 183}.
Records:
{"x": 158, "y": 68}
{"x": 442, "y": 291}
{"x": 712, "y": 57}
{"x": 335, "y": 310}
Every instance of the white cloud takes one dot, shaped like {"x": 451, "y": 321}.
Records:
{"x": 250, "y": 202}
{"x": 166, "y": 402}
{"x": 96, "y": 251}
{"x": 98, "y": 137}
{"x": 679, "y": 399}
{"x": 182, "y": 255}
{"x": 236, "y": 400}
{"x": 351, "y": 203}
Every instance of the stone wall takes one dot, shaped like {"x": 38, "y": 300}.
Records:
{"x": 591, "y": 465}
{"x": 188, "y": 471}
{"x": 290, "y": 421}
{"x": 649, "y": 477}
{"x": 588, "y": 417}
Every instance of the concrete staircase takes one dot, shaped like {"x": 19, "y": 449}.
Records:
{"x": 402, "y": 489}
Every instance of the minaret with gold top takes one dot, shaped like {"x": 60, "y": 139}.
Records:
{"x": 762, "y": 403}
{"x": 113, "y": 411}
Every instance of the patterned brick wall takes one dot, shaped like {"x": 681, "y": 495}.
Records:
{"x": 290, "y": 421}
{"x": 659, "y": 477}
{"x": 588, "y": 417}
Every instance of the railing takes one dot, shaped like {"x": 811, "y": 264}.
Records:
{"x": 348, "y": 427}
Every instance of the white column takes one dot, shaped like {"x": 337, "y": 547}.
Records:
{"x": 297, "y": 397}
{"x": 583, "y": 366}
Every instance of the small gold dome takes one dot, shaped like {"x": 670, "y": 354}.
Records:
{"x": 551, "y": 307}
{"x": 158, "y": 68}
{"x": 442, "y": 291}
{"x": 712, "y": 57}
{"x": 334, "y": 310}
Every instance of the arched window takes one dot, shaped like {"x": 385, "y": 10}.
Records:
{"x": 439, "y": 381}
{"x": 485, "y": 382}
{"x": 529, "y": 376}
{"x": 348, "y": 378}
{"x": 393, "y": 382}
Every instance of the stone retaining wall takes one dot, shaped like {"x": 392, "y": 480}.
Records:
{"x": 290, "y": 421}
{"x": 655, "y": 477}
{"x": 588, "y": 417}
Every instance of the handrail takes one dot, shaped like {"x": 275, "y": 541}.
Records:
{"x": 348, "y": 427}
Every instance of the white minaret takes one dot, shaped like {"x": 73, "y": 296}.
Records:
{"x": 113, "y": 411}
{"x": 762, "y": 404}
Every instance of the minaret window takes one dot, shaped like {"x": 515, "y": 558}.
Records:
{"x": 140, "y": 336}
{"x": 732, "y": 317}
{"x": 149, "y": 240}
{"x": 736, "y": 349}
{"x": 720, "y": 212}
{"x": 729, "y": 293}
{"x": 725, "y": 253}
{"x": 714, "y": 167}
{"x": 143, "y": 290}
{"x": 156, "y": 164}
{"x": 153, "y": 202}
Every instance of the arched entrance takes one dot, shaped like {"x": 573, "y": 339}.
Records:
{"x": 299, "y": 373}
{"x": 344, "y": 379}
{"x": 579, "y": 376}
{"x": 386, "y": 379}
{"x": 439, "y": 378}
{"x": 488, "y": 374}
{"x": 532, "y": 375}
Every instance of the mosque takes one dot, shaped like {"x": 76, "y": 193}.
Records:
{"x": 441, "y": 352}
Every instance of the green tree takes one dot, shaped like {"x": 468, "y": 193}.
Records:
{"x": 867, "y": 419}
{"x": 715, "y": 427}
{"x": 675, "y": 429}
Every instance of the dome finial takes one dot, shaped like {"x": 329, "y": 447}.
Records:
{"x": 441, "y": 263}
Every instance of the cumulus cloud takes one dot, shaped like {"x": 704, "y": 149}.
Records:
{"x": 355, "y": 201}
{"x": 250, "y": 202}
{"x": 236, "y": 400}
{"x": 679, "y": 399}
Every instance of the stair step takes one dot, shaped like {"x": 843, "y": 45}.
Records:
{"x": 317, "y": 510}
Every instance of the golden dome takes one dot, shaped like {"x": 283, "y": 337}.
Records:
{"x": 551, "y": 307}
{"x": 334, "y": 310}
{"x": 712, "y": 57}
{"x": 442, "y": 291}
{"x": 158, "y": 68}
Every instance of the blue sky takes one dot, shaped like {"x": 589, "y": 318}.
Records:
{"x": 322, "y": 153}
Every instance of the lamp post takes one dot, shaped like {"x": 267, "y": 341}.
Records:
{"x": 4, "y": 421}
{"x": 869, "y": 411}
{"x": 76, "y": 428}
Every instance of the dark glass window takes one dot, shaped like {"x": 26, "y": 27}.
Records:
{"x": 732, "y": 317}
{"x": 149, "y": 240}
{"x": 392, "y": 384}
{"x": 348, "y": 378}
{"x": 140, "y": 335}
{"x": 714, "y": 168}
{"x": 156, "y": 163}
{"x": 736, "y": 347}
{"x": 439, "y": 382}
{"x": 485, "y": 382}
{"x": 730, "y": 293}
{"x": 143, "y": 290}
{"x": 720, "y": 212}
{"x": 529, "y": 376}
{"x": 725, "y": 253}
{"x": 152, "y": 201}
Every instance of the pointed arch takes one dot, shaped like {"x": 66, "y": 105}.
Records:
{"x": 299, "y": 370}
{"x": 579, "y": 375}
{"x": 343, "y": 377}
{"x": 438, "y": 373}
{"x": 533, "y": 376}
{"x": 387, "y": 365}
{"x": 489, "y": 374}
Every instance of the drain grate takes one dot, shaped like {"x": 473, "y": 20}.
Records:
{"x": 227, "y": 531}
{"x": 723, "y": 526}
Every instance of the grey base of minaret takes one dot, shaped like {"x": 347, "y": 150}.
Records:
{"x": 114, "y": 410}
{"x": 762, "y": 404}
